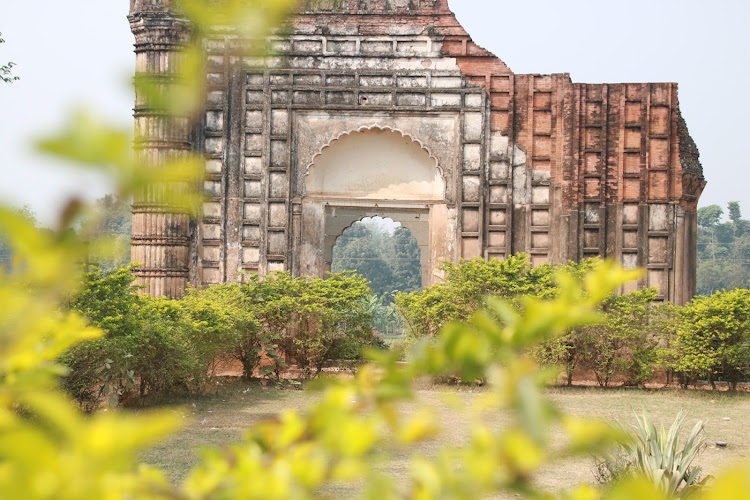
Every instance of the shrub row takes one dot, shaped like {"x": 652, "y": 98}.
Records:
{"x": 709, "y": 338}
{"x": 157, "y": 346}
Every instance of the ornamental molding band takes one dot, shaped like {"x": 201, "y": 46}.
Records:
{"x": 387, "y": 107}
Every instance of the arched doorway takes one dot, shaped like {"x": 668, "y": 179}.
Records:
{"x": 374, "y": 172}
{"x": 384, "y": 252}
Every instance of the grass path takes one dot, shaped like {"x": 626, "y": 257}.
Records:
{"x": 221, "y": 419}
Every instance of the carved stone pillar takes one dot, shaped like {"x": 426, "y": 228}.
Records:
{"x": 161, "y": 233}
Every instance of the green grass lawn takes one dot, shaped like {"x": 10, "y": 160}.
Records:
{"x": 221, "y": 419}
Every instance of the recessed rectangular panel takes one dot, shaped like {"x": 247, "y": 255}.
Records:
{"x": 631, "y": 189}
{"x": 276, "y": 243}
{"x": 630, "y": 239}
{"x": 279, "y": 121}
{"x": 376, "y": 99}
{"x": 539, "y": 241}
{"x": 276, "y": 266}
{"x": 658, "y": 218}
{"x": 376, "y": 81}
{"x": 213, "y": 166}
{"x": 210, "y": 276}
{"x": 253, "y": 165}
{"x": 254, "y": 143}
{"x": 498, "y": 217}
{"x": 630, "y": 260}
{"x": 470, "y": 220}
{"x": 280, "y": 97}
{"x": 254, "y": 120}
{"x": 593, "y": 113}
{"x": 540, "y": 195}
{"x": 542, "y": 146}
{"x": 593, "y": 138}
{"x": 279, "y": 154}
{"x": 473, "y": 126}
{"x": 542, "y": 122}
{"x": 499, "y": 171}
{"x": 659, "y": 153}
{"x": 211, "y": 209}
{"x": 658, "y": 278}
{"x": 411, "y": 99}
{"x": 250, "y": 255}
{"x": 252, "y": 212}
{"x": 347, "y": 81}
{"x": 591, "y": 213}
{"x": 592, "y": 188}
{"x": 211, "y": 231}
{"x": 254, "y": 97}
{"x": 471, "y": 188}
{"x": 591, "y": 238}
{"x": 631, "y": 163}
{"x": 539, "y": 260}
{"x": 279, "y": 184}
{"x": 253, "y": 189}
{"x": 277, "y": 215}
{"x": 376, "y": 47}
{"x": 659, "y": 121}
{"x": 630, "y": 213}
{"x": 500, "y": 84}
{"x": 632, "y": 112}
{"x": 212, "y": 188}
{"x": 341, "y": 46}
{"x": 496, "y": 239}
{"x": 542, "y": 100}
{"x": 251, "y": 232}
{"x": 446, "y": 100}
{"x": 470, "y": 248}
{"x": 632, "y": 138}
{"x": 498, "y": 194}
{"x": 308, "y": 47}
{"x": 660, "y": 93}
{"x": 215, "y": 121}
{"x": 540, "y": 218}
{"x": 210, "y": 254}
{"x": 657, "y": 185}
{"x": 214, "y": 145}
{"x": 657, "y": 250}
{"x": 592, "y": 163}
{"x": 472, "y": 157}
{"x": 341, "y": 98}
{"x": 306, "y": 97}
{"x": 543, "y": 83}
{"x": 308, "y": 79}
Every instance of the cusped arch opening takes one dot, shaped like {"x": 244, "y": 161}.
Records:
{"x": 375, "y": 164}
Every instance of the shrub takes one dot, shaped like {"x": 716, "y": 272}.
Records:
{"x": 221, "y": 325}
{"x": 714, "y": 337}
{"x": 621, "y": 342}
{"x": 465, "y": 287}
{"x": 154, "y": 345}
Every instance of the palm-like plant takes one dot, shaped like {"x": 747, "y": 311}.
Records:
{"x": 658, "y": 455}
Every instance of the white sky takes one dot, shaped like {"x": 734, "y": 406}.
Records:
{"x": 79, "y": 53}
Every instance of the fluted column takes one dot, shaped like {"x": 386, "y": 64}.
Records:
{"x": 161, "y": 232}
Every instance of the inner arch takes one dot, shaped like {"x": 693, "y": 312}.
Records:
{"x": 375, "y": 164}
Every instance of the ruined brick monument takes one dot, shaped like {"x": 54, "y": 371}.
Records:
{"x": 387, "y": 107}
